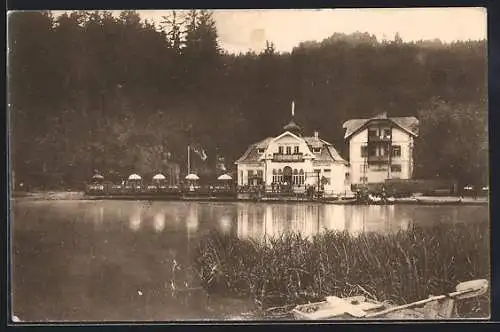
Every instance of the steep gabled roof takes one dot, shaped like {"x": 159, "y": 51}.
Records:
{"x": 289, "y": 133}
{"x": 327, "y": 153}
{"x": 252, "y": 154}
{"x": 246, "y": 154}
{"x": 335, "y": 155}
{"x": 314, "y": 142}
{"x": 407, "y": 123}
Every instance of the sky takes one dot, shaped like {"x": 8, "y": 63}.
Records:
{"x": 248, "y": 30}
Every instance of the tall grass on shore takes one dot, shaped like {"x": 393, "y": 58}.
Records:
{"x": 398, "y": 268}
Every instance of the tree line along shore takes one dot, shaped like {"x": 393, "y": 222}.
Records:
{"x": 89, "y": 90}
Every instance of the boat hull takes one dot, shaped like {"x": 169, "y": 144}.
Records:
{"x": 438, "y": 201}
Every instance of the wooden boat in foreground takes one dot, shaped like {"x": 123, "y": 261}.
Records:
{"x": 358, "y": 307}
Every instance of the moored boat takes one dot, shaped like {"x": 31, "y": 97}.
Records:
{"x": 359, "y": 307}
{"x": 343, "y": 201}
{"x": 405, "y": 200}
{"x": 438, "y": 200}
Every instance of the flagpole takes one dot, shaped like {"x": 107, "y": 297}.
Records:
{"x": 189, "y": 160}
{"x": 190, "y": 134}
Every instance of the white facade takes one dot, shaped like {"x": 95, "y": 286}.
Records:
{"x": 381, "y": 150}
{"x": 293, "y": 159}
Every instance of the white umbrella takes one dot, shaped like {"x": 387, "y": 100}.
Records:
{"x": 134, "y": 177}
{"x": 159, "y": 176}
{"x": 192, "y": 177}
{"x": 224, "y": 177}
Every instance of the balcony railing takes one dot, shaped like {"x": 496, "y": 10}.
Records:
{"x": 296, "y": 157}
{"x": 381, "y": 138}
{"x": 378, "y": 159}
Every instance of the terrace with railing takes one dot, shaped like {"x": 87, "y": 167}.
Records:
{"x": 281, "y": 157}
{"x": 378, "y": 159}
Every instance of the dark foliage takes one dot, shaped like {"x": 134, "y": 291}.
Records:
{"x": 88, "y": 90}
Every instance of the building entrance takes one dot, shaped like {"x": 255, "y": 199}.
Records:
{"x": 287, "y": 175}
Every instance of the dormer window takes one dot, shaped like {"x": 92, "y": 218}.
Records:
{"x": 316, "y": 150}
{"x": 260, "y": 150}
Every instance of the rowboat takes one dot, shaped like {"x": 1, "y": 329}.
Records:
{"x": 359, "y": 307}
{"x": 438, "y": 200}
{"x": 406, "y": 200}
{"x": 342, "y": 201}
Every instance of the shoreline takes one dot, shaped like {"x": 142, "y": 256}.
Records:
{"x": 80, "y": 195}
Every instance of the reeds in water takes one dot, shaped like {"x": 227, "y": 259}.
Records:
{"x": 398, "y": 268}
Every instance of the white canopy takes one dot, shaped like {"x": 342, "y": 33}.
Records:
{"x": 225, "y": 177}
{"x": 159, "y": 176}
{"x": 134, "y": 177}
{"x": 192, "y": 177}
{"x": 98, "y": 176}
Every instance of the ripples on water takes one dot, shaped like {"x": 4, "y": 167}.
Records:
{"x": 113, "y": 260}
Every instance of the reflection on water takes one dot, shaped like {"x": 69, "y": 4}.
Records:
{"x": 88, "y": 259}
{"x": 135, "y": 219}
{"x": 192, "y": 218}
{"x": 254, "y": 220}
{"x": 159, "y": 221}
{"x": 257, "y": 221}
{"x": 225, "y": 224}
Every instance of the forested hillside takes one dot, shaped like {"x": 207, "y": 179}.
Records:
{"x": 93, "y": 91}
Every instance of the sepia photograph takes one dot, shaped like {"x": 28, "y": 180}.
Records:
{"x": 277, "y": 165}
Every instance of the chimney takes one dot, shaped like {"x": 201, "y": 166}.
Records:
{"x": 316, "y": 134}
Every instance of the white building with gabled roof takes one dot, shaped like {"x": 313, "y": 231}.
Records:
{"x": 294, "y": 160}
{"x": 381, "y": 148}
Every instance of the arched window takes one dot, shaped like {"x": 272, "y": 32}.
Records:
{"x": 301, "y": 177}
{"x": 347, "y": 178}
{"x": 295, "y": 179}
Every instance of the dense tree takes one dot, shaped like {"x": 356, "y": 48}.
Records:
{"x": 453, "y": 142}
{"x": 173, "y": 25}
{"x": 89, "y": 90}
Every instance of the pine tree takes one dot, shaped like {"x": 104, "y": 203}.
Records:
{"x": 173, "y": 25}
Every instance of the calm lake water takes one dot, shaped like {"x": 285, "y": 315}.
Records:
{"x": 113, "y": 260}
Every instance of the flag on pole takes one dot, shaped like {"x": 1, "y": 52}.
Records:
{"x": 221, "y": 164}
{"x": 200, "y": 152}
